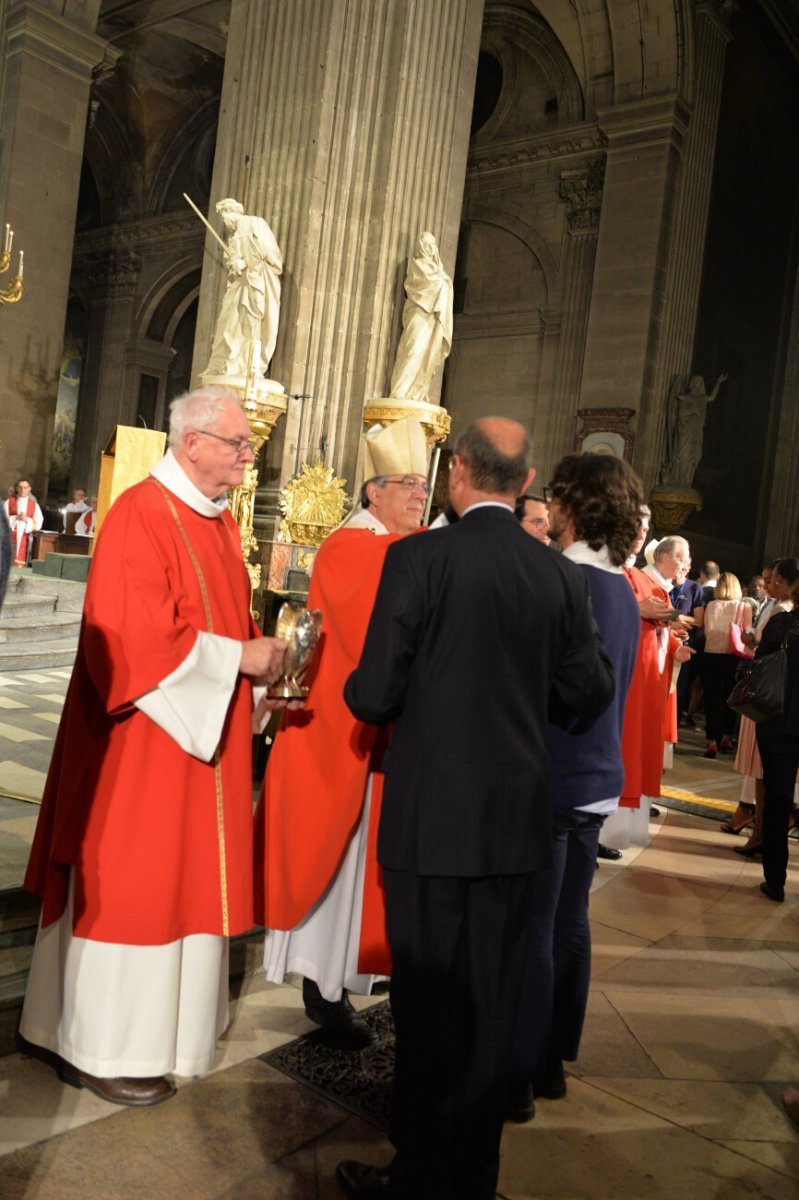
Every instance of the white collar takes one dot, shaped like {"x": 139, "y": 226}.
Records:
{"x": 170, "y": 473}
{"x": 582, "y": 554}
{"x": 364, "y": 518}
{"x": 666, "y": 584}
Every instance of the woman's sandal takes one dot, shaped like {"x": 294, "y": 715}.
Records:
{"x": 743, "y": 816}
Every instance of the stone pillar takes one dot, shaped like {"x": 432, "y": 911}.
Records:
{"x": 107, "y": 398}
{"x": 354, "y": 117}
{"x": 687, "y": 249}
{"x": 581, "y": 190}
{"x": 627, "y": 300}
{"x": 50, "y": 53}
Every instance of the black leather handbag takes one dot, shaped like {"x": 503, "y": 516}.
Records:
{"x": 759, "y": 689}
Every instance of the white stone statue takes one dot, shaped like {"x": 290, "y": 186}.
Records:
{"x": 426, "y": 323}
{"x": 250, "y": 308}
{"x": 685, "y": 424}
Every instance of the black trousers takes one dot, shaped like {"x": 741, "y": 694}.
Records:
{"x": 458, "y": 951}
{"x": 718, "y": 676}
{"x": 779, "y": 753}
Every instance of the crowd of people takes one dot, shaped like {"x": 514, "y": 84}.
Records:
{"x": 482, "y": 703}
{"x": 24, "y": 516}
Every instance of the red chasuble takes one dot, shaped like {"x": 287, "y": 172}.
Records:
{"x": 160, "y": 842}
{"x": 313, "y": 793}
{"x": 644, "y": 715}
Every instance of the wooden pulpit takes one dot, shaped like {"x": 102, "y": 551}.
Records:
{"x": 126, "y": 460}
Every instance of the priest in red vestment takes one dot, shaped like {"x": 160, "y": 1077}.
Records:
{"x": 644, "y": 716}
{"x": 318, "y": 889}
{"x": 143, "y": 850}
{"x": 24, "y": 517}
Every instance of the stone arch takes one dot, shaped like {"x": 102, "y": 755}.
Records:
{"x": 186, "y": 163}
{"x": 531, "y": 239}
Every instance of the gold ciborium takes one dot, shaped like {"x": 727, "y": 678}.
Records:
{"x": 299, "y": 628}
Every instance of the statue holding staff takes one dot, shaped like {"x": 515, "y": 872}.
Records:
{"x": 250, "y": 308}
{"x": 685, "y": 425}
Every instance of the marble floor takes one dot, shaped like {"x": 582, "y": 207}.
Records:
{"x": 692, "y": 1033}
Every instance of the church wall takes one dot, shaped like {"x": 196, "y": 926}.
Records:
{"x": 747, "y": 301}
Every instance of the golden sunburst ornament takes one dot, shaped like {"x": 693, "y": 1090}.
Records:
{"x": 312, "y": 505}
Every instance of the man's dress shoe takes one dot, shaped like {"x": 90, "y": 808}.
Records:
{"x": 608, "y": 852}
{"x": 338, "y": 1018}
{"x": 521, "y": 1104}
{"x": 554, "y": 1086}
{"x": 136, "y": 1093}
{"x": 777, "y": 894}
{"x": 362, "y": 1182}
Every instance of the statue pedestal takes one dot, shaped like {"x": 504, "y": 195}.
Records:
{"x": 672, "y": 505}
{"x": 434, "y": 419}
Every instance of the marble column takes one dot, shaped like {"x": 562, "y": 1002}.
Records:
{"x": 49, "y": 53}
{"x": 108, "y": 397}
{"x": 345, "y": 125}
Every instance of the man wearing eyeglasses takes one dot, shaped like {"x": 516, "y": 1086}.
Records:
{"x": 143, "y": 850}
{"x": 315, "y": 860}
{"x": 532, "y": 513}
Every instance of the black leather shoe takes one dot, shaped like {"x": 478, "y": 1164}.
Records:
{"x": 777, "y": 894}
{"x": 338, "y": 1018}
{"x": 521, "y": 1104}
{"x": 362, "y": 1182}
{"x": 608, "y": 852}
{"x": 749, "y": 851}
{"x": 653, "y": 811}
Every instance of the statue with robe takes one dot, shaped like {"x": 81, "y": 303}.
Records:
{"x": 426, "y": 323}
{"x": 685, "y": 426}
{"x": 250, "y": 308}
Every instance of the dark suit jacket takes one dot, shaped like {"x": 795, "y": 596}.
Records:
{"x": 477, "y": 634}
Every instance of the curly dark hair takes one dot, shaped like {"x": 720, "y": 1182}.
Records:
{"x": 602, "y": 496}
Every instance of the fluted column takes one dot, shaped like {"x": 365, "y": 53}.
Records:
{"x": 355, "y": 119}
{"x": 48, "y": 59}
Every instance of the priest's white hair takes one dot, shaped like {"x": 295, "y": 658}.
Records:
{"x": 197, "y": 410}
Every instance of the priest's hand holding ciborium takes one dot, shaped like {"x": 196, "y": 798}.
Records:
{"x": 299, "y": 628}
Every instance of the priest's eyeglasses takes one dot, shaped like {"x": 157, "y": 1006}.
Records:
{"x": 239, "y": 444}
{"x": 409, "y": 484}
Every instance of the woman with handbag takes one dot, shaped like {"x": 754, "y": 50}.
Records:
{"x": 778, "y": 741}
{"x": 747, "y": 758}
{"x": 720, "y": 661}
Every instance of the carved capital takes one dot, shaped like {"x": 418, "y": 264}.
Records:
{"x": 115, "y": 273}
{"x": 581, "y": 190}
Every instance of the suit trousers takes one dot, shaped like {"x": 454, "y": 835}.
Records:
{"x": 779, "y": 753}
{"x": 558, "y": 969}
{"x": 458, "y": 950}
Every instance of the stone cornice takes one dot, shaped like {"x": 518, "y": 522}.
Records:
{"x": 572, "y": 141}
{"x": 169, "y": 228}
{"x": 653, "y": 120}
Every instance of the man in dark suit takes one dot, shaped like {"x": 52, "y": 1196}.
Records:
{"x": 478, "y": 633}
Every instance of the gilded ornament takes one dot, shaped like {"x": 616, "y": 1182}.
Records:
{"x": 312, "y": 504}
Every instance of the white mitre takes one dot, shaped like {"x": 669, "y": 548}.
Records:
{"x": 396, "y": 449}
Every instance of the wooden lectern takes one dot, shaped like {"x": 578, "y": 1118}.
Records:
{"x": 126, "y": 460}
